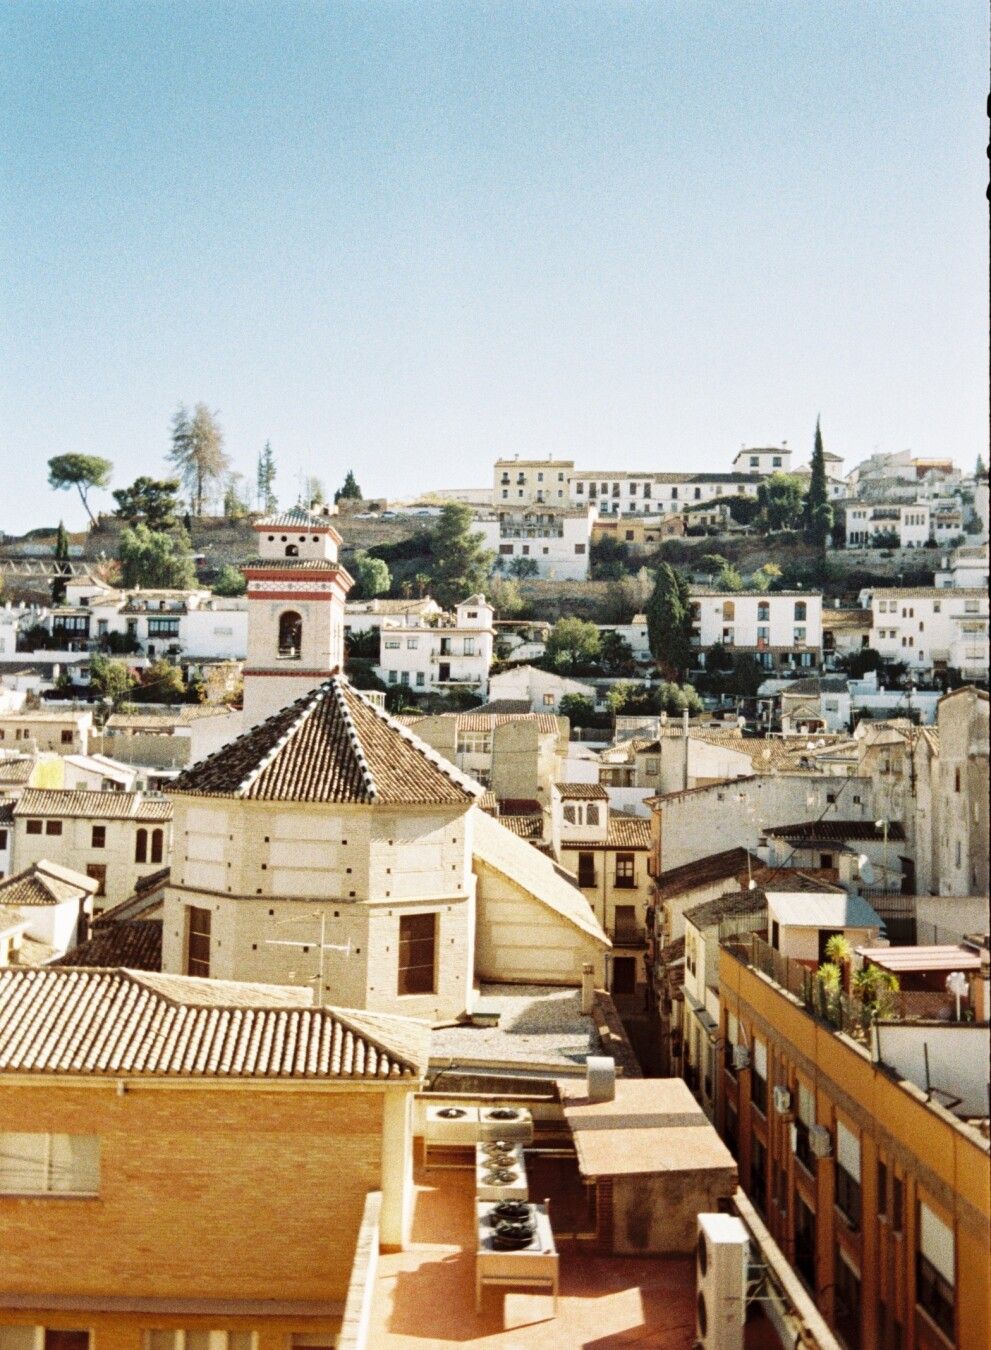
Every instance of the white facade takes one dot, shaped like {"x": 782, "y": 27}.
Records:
{"x": 867, "y": 524}
{"x": 177, "y": 624}
{"x": 933, "y": 626}
{"x": 542, "y": 689}
{"x": 761, "y": 622}
{"x": 764, "y": 462}
{"x": 368, "y": 616}
{"x": 967, "y": 566}
{"x": 431, "y": 656}
{"x": 651, "y": 494}
{"x": 558, "y": 542}
{"x": 634, "y": 633}
{"x": 527, "y": 482}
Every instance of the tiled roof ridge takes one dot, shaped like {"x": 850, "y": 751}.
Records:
{"x": 450, "y": 771}
{"x": 309, "y": 703}
{"x": 371, "y": 791}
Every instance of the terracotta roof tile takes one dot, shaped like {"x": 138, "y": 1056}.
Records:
{"x": 92, "y": 805}
{"x": 836, "y": 831}
{"x": 296, "y": 517}
{"x": 71, "y": 1020}
{"x": 134, "y": 943}
{"x": 525, "y": 827}
{"x": 16, "y": 770}
{"x": 45, "y": 883}
{"x": 293, "y": 564}
{"x": 331, "y": 745}
{"x": 622, "y": 832}
{"x": 732, "y": 862}
{"x": 582, "y": 792}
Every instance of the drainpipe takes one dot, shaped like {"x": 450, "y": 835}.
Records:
{"x": 684, "y": 732}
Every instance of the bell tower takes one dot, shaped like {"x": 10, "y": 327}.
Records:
{"x": 296, "y": 593}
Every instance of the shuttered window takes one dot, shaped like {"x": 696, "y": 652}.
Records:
{"x": 417, "y": 953}
{"x": 935, "y": 1270}
{"x": 848, "y": 1150}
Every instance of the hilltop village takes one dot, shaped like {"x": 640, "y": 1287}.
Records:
{"x": 568, "y": 893}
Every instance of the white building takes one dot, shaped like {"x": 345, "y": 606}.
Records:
{"x": 558, "y": 543}
{"x": 780, "y": 628}
{"x": 635, "y": 633}
{"x": 775, "y": 459}
{"x": 528, "y": 482}
{"x": 368, "y": 616}
{"x": 966, "y": 566}
{"x": 432, "y": 654}
{"x": 932, "y": 627}
{"x": 895, "y": 524}
{"x": 622, "y": 494}
{"x": 181, "y": 625}
{"x": 542, "y": 689}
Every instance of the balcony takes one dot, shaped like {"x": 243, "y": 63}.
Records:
{"x": 625, "y": 883}
{"x": 627, "y": 935}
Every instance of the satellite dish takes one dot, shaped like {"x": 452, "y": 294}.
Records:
{"x": 956, "y": 983}
{"x": 866, "y": 868}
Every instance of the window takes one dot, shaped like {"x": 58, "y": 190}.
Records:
{"x": 586, "y": 869}
{"x": 729, "y": 611}
{"x": 197, "y": 941}
{"x": 592, "y": 813}
{"x": 625, "y": 871}
{"x": 66, "y": 738}
{"x": 290, "y": 635}
{"x": 800, "y": 611}
{"x": 163, "y": 627}
{"x": 882, "y": 1188}
{"x": 758, "y": 1175}
{"x": 934, "y": 1271}
{"x": 141, "y": 846}
{"x": 799, "y": 637}
{"x": 49, "y": 1164}
{"x": 157, "y": 845}
{"x": 393, "y": 676}
{"x": 805, "y": 1242}
{"x": 392, "y": 644}
{"x": 98, "y": 838}
{"x": 847, "y": 1301}
{"x": 625, "y": 927}
{"x": 412, "y": 644}
{"x": 98, "y": 871}
{"x": 469, "y": 646}
{"x": 758, "y": 1079}
{"x": 201, "y": 1339}
{"x": 53, "y": 827}
{"x": 805, "y": 1119}
{"x": 34, "y": 827}
{"x": 763, "y": 612}
{"x": 417, "y": 953}
{"x": 848, "y": 1174}
{"x": 3, "y": 840}
{"x": 956, "y": 780}
{"x": 420, "y": 678}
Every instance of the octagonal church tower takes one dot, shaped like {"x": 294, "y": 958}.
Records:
{"x": 296, "y": 593}
{"x": 328, "y": 847}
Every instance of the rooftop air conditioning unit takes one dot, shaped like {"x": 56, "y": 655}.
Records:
{"x": 741, "y": 1057}
{"x": 782, "y": 1100}
{"x": 514, "y": 1123}
{"x": 452, "y": 1125}
{"x": 820, "y": 1141}
{"x": 721, "y": 1258}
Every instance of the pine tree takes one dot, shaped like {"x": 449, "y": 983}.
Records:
{"x": 61, "y": 570}
{"x": 267, "y": 500}
{"x": 350, "y": 490}
{"x": 818, "y": 513}
{"x": 669, "y": 622}
{"x": 198, "y": 453}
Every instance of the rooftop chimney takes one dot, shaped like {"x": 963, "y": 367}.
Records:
{"x": 588, "y": 989}
{"x": 601, "y": 1078}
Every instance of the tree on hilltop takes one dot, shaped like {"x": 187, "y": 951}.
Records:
{"x": 83, "y": 472}
{"x": 197, "y": 451}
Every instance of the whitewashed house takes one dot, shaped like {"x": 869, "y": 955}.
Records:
{"x": 557, "y": 542}
{"x": 930, "y": 627}
{"x": 779, "y": 628}
{"x": 439, "y": 652}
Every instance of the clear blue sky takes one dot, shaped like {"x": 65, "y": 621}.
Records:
{"x": 408, "y": 237}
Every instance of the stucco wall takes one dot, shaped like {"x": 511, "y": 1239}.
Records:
{"x": 660, "y": 1213}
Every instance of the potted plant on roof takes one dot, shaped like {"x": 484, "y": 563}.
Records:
{"x": 840, "y": 953}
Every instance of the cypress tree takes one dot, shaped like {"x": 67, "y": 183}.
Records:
{"x": 669, "y": 622}
{"x": 818, "y": 512}
{"x": 61, "y": 571}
